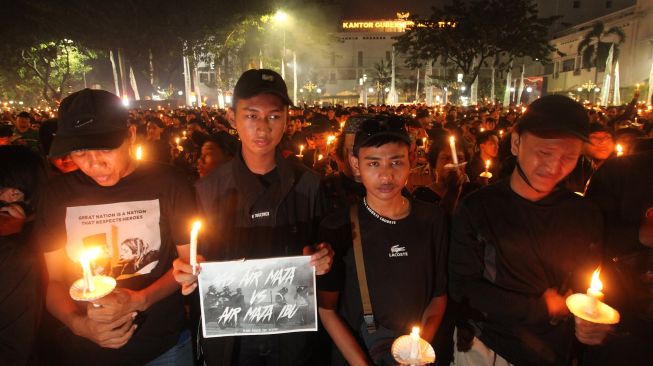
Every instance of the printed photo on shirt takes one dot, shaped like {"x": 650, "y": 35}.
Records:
{"x": 127, "y": 234}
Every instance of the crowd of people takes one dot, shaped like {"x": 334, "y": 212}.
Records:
{"x": 473, "y": 222}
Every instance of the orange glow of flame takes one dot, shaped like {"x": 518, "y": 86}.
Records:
{"x": 487, "y": 164}
{"x": 90, "y": 254}
{"x": 139, "y": 152}
{"x": 415, "y": 333}
{"x": 620, "y": 150}
{"x": 596, "y": 284}
{"x": 330, "y": 139}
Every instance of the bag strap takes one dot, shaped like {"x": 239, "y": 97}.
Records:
{"x": 368, "y": 315}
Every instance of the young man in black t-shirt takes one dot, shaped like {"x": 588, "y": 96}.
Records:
{"x": 520, "y": 246}
{"x": 137, "y": 215}
{"x": 404, "y": 250}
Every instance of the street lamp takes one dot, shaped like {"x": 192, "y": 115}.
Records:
{"x": 281, "y": 17}
{"x": 529, "y": 89}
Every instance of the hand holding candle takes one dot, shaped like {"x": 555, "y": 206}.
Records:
{"x": 90, "y": 287}
{"x": 590, "y": 306}
{"x": 193, "y": 245}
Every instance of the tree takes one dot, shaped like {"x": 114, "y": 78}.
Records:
{"x": 381, "y": 78}
{"x": 56, "y": 66}
{"x": 591, "y": 47}
{"x": 470, "y": 34}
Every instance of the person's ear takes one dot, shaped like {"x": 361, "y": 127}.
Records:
{"x": 353, "y": 161}
{"x": 132, "y": 135}
{"x": 515, "y": 141}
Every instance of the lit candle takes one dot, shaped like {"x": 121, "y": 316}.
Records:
{"x": 424, "y": 141}
{"x": 482, "y": 129}
{"x": 177, "y": 141}
{"x": 414, "y": 344}
{"x": 500, "y": 134}
{"x": 454, "y": 155}
{"x": 486, "y": 173}
{"x": 184, "y": 133}
{"x": 620, "y": 150}
{"x": 193, "y": 244}
{"x": 594, "y": 292}
{"x": 330, "y": 139}
{"x": 139, "y": 152}
{"x": 301, "y": 151}
{"x": 320, "y": 157}
{"x": 636, "y": 87}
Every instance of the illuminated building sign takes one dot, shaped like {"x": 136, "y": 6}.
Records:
{"x": 394, "y": 26}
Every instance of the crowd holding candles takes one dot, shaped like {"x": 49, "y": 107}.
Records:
{"x": 456, "y": 153}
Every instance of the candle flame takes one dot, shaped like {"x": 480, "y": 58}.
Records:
{"x": 330, "y": 139}
{"x": 452, "y": 140}
{"x": 196, "y": 226}
{"x": 320, "y": 157}
{"x": 90, "y": 254}
{"x": 596, "y": 284}
{"x": 620, "y": 150}
{"x": 177, "y": 140}
{"x": 415, "y": 330}
{"x": 139, "y": 152}
{"x": 487, "y": 164}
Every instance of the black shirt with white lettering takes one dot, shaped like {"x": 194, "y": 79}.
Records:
{"x": 405, "y": 263}
{"x": 136, "y": 224}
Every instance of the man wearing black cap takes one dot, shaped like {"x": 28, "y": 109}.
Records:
{"x": 520, "y": 246}
{"x": 135, "y": 215}
{"x": 403, "y": 253}
{"x": 259, "y": 205}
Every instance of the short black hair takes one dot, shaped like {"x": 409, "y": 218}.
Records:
{"x": 378, "y": 141}
{"x": 380, "y": 130}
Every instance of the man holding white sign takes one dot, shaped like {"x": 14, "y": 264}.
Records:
{"x": 259, "y": 205}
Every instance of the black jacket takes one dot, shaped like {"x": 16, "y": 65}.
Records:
{"x": 506, "y": 251}
{"x": 251, "y": 216}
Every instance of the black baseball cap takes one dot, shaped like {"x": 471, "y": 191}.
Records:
{"x": 382, "y": 125}
{"x": 555, "y": 114}
{"x": 260, "y": 81}
{"x": 90, "y": 120}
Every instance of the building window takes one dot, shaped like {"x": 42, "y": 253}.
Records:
{"x": 576, "y": 4}
{"x": 360, "y": 58}
{"x": 332, "y": 78}
{"x": 608, "y": 4}
{"x": 204, "y": 77}
{"x": 568, "y": 65}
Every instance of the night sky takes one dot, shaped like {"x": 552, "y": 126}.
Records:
{"x": 386, "y": 9}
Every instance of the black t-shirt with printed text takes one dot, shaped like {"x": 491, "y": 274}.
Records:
{"x": 405, "y": 263}
{"x": 136, "y": 224}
